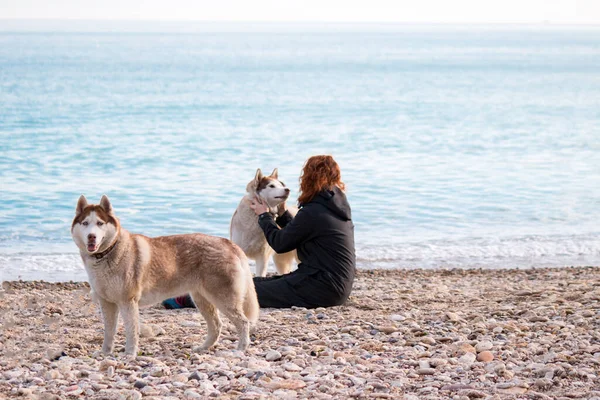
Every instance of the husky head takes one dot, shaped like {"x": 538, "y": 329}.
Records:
{"x": 268, "y": 188}
{"x": 95, "y": 227}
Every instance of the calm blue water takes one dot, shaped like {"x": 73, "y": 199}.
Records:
{"x": 459, "y": 147}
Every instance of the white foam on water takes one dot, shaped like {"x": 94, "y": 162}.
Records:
{"x": 512, "y": 252}
{"x": 39, "y": 266}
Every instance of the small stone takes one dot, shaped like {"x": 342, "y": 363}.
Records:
{"x": 428, "y": 340}
{"x": 467, "y": 359}
{"x": 456, "y": 387}
{"x": 426, "y": 371}
{"x": 180, "y": 378}
{"x": 452, "y": 317}
{"x": 485, "y": 356}
{"x": 160, "y": 371}
{"x": 14, "y": 374}
{"x": 466, "y": 348}
{"x": 273, "y": 355}
{"x": 472, "y": 393}
{"x": 538, "y": 318}
{"x": 292, "y": 367}
{"x": 397, "y": 317}
{"x": 140, "y": 384}
{"x": 438, "y": 362}
{"x": 513, "y": 390}
{"x": 146, "y": 331}
{"x": 49, "y": 396}
{"x": 149, "y": 391}
{"x": 96, "y": 377}
{"x": 543, "y": 384}
{"x": 123, "y": 385}
{"x": 104, "y": 364}
{"x": 198, "y": 376}
{"x": 483, "y": 346}
{"x": 52, "y": 375}
{"x": 54, "y": 355}
{"x": 587, "y": 314}
{"x": 289, "y": 384}
{"x": 387, "y": 329}
{"x": 191, "y": 394}
{"x": 25, "y": 392}
{"x": 286, "y": 351}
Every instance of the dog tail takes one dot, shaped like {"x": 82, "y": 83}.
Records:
{"x": 251, "y": 307}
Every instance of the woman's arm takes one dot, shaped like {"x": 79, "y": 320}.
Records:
{"x": 284, "y": 218}
{"x": 291, "y": 236}
{"x": 297, "y": 229}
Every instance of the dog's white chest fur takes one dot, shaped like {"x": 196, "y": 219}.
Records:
{"x": 246, "y": 233}
{"x": 103, "y": 281}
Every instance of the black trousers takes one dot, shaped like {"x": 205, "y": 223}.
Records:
{"x": 276, "y": 292}
{"x": 309, "y": 289}
{"x": 298, "y": 288}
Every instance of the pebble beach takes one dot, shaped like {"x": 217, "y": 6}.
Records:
{"x": 403, "y": 334}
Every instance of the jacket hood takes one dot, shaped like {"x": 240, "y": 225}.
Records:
{"x": 334, "y": 200}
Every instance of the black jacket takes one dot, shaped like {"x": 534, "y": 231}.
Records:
{"x": 322, "y": 232}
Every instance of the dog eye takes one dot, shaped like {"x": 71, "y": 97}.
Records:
{"x": 271, "y": 186}
{"x": 85, "y": 223}
{"x": 100, "y": 223}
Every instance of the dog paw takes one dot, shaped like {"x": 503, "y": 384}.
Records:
{"x": 129, "y": 356}
{"x": 131, "y": 352}
{"x": 200, "y": 349}
{"x": 242, "y": 348}
{"x": 100, "y": 354}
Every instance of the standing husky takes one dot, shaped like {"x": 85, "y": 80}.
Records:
{"x": 245, "y": 231}
{"x": 127, "y": 270}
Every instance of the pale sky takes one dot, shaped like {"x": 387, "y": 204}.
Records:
{"x": 409, "y": 11}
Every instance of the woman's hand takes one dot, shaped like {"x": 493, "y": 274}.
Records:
{"x": 259, "y": 206}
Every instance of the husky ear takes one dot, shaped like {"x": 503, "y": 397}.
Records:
{"x": 105, "y": 203}
{"x": 81, "y": 203}
{"x": 274, "y": 174}
{"x": 258, "y": 176}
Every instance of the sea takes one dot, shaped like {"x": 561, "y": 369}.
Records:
{"x": 460, "y": 146}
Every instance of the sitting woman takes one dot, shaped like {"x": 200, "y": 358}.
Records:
{"x": 322, "y": 233}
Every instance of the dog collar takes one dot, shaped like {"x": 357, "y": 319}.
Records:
{"x": 101, "y": 255}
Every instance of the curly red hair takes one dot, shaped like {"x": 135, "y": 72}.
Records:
{"x": 319, "y": 173}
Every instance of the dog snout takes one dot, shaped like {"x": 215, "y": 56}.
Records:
{"x": 287, "y": 190}
{"x": 92, "y": 237}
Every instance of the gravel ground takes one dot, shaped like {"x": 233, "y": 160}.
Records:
{"x": 412, "y": 334}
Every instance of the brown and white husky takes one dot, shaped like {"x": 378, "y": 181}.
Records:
{"x": 128, "y": 270}
{"x": 245, "y": 231}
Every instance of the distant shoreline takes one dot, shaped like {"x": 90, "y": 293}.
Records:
{"x": 391, "y": 272}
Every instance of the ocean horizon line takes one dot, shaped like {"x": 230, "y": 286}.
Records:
{"x": 42, "y": 25}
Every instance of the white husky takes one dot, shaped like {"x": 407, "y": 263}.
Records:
{"x": 245, "y": 231}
